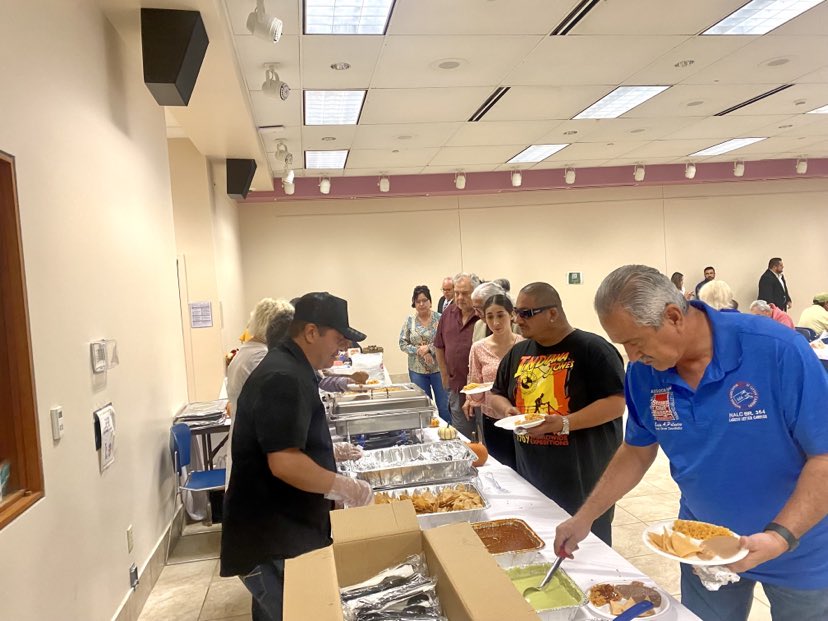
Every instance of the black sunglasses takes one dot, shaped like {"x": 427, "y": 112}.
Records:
{"x": 528, "y": 313}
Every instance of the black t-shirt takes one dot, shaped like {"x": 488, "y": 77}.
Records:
{"x": 264, "y": 517}
{"x": 563, "y": 379}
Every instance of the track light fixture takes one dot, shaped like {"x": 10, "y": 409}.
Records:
{"x": 273, "y": 85}
{"x": 289, "y": 173}
{"x": 569, "y": 175}
{"x": 639, "y": 172}
{"x": 325, "y": 185}
{"x": 690, "y": 170}
{"x": 288, "y": 186}
{"x": 517, "y": 178}
{"x": 262, "y": 24}
{"x": 801, "y": 166}
{"x": 384, "y": 184}
{"x": 738, "y": 169}
{"x": 460, "y": 181}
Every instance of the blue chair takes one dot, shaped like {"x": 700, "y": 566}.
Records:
{"x": 807, "y": 333}
{"x": 196, "y": 481}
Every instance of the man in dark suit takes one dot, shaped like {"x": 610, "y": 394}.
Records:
{"x": 448, "y": 294}
{"x": 772, "y": 286}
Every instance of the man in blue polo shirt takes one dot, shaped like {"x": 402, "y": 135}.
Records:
{"x": 739, "y": 407}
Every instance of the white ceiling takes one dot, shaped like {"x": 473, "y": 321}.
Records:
{"x": 415, "y": 117}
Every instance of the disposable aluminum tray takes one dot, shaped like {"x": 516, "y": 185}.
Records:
{"x": 373, "y": 422}
{"x": 562, "y": 613}
{"x": 420, "y": 464}
{"x": 430, "y": 520}
{"x": 511, "y": 558}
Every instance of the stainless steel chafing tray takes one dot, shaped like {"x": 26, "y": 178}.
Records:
{"x": 420, "y": 464}
{"x": 401, "y": 406}
{"x": 373, "y": 422}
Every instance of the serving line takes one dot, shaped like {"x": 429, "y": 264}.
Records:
{"x": 594, "y": 562}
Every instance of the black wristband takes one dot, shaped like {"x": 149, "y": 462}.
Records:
{"x": 783, "y": 532}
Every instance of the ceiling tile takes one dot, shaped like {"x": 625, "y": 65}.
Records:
{"x": 551, "y": 164}
{"x": 659, "y": 149}
{"x": 451, "y": 169}
{"x": 383, "y": 159}
{"x": 651, "y": 17}
{"x": 544, "y": 103}
{"x": 320, "y": 52}
{"x": 391, "y": 172}
{"x": 312, "y": 136}
{"x": 486, "y": 133}
{"x": 674, "y": 102}
{"x": 404, "y": 136}
{"x": 571, "y": 61}
{"x": 580, "y": 152}
{"x": 253, "y": 57}
{"x": 811, "y": 22}
{"x": 800, "y": 125}
{"x": 799, "y": 98}
{"x": 618, "y": 130}
{"x": 725, "y": 127}
{"x": 494, "y": 17}
{"x": 412, "y": 61}
{"x": 461, "y": 156}
{"x": 270, "y": 111}
{"x": 422, "y": 105}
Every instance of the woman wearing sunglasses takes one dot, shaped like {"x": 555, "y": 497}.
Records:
{"x": 484, "y": 359}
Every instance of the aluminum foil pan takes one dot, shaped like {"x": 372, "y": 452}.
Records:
{"x": 527, "y": 554}
{"x": 563, "y": 613}
{"x": 420, "y": 464}
{"x": 430, "y": 520}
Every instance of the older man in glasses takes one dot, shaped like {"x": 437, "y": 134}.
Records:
{"x": 575, "y": 379}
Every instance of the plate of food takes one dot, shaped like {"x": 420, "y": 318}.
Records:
{"x": 610, "y": 599}
{"x": 521, "y": 421}
{"x": 694, "y": 543}
{"x": 476, "y": 389}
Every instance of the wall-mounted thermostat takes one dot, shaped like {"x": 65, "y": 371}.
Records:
{"x": 574, "y": 278}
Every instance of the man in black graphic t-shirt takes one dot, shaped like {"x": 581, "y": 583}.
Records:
{"x": 574, "y": 378}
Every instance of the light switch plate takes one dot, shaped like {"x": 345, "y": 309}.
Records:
{"x": 57, "y": 422}
{"x": 97, "y": 352}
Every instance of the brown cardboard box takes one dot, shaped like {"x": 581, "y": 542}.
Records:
{"x": 470, "y": 584}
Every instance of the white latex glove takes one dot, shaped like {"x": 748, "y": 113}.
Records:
{"x": 351, "y": 492}
{"x": 345, "y": 451}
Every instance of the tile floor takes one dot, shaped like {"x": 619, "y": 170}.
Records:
{"x": 193, "y": 591}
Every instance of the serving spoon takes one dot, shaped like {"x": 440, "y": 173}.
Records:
{"x": 531, "y": 590}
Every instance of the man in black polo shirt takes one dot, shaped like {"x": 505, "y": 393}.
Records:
{"x": 284, "y": 479}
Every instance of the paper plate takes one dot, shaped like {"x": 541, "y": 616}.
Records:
{"x": 510, "y": 423}
{"x": 604, "y": 611}
{"x": 485, "y": 387}
{"x": 716, "y": 560}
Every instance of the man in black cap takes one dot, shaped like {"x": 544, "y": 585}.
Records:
{"x": 284, "y": 479}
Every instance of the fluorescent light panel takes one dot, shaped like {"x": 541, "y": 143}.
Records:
{"x": 822, "y": 110}
{"x": 761, "y": 16}
{"x": 536, "y": 153}
{"x": 333, "y": 107}
{"x": 621, "y": 100}
{"x": 724, "y": 147}
{"x": 326, "y": 160}
{"x": 348, "y": 17}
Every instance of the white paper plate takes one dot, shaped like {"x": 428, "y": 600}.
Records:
{"x": 604, "y": 611}
{"x": 510, "y": 423}
{"x": 716, "y": 560}
{"x": 486, "y": 387}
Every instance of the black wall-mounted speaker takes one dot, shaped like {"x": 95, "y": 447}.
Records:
{"x": 173, "y": 44}
{"x": 239, "y": 177}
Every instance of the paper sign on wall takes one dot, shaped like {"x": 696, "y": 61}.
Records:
{"x": 201, "y": 315}
{"x": 104, "y": 420}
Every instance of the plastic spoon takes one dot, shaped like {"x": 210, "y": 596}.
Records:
{"x": 633, "y": 611}
{"x": 531, "y": 590}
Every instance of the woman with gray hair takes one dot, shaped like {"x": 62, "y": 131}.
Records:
{"x": 719, "y": 295}
{"x": 481, "y": 293}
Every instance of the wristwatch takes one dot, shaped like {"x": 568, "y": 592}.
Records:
{"x": 565, "y": 429}
{"x": 783, "y": 532}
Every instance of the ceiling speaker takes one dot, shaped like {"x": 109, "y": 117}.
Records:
{"x": 239, "y": 177}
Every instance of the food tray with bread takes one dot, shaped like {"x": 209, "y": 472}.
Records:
{"x": 510, "y": 541}
{"x": 419, "y": 464}
{"x": 436, "y": 505}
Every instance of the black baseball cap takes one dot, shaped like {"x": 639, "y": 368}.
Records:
{"x": 325, "y": 309}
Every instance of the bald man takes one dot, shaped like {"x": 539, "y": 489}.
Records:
{"x": 576, "y": 380}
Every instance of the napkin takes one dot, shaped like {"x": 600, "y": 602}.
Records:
{"x": 714, "y": 577}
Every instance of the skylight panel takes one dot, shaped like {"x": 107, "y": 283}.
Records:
{"x": 536, "y": 153}
{"x": 333, "y": 107}
{"x": 725, "y": 147}
{"x": 326, "y": 160}
{"x": 822, "y": 110}
{"x": 621, "y": 100}
{"x": 347, "y": 17}
{"x": 759, "y": 17}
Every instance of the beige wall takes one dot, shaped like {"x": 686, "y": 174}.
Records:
{"x": 93, "y": 185}
{"x": 373, "y": 252}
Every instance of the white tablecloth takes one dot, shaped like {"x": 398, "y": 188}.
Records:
{"x": 594, "y": 562}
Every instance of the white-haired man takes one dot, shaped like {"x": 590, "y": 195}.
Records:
{"x": 737, "y": 403}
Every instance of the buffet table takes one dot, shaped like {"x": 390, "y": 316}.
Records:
{"x": 511, "y": 496}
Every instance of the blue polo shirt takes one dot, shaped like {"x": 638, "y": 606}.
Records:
{"x": 738, "y": 443}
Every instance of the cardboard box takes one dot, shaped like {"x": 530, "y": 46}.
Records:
{"x": 470, "y": 584}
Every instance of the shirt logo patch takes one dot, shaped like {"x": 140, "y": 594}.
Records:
{"x": 743, "y": 395}
{"x": 663, "y": 405}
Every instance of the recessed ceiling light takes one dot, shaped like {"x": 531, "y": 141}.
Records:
{"x": 786, "y": 126}
{"x": 800, "y": 102}
{"x": 333, "y": 107}
{"x": 684, "y": 63}
{"x": 637, "y": 131}
{"x": 759, "y": 17}
{"x": 776, "y": 62}
{"x": 621, "y": 100}
{"x": 724, "y": 147}
{"x": 404, "y": 137}
{"x": 340, "y": 66}
{"x": 346, "y": 17}
{"x": 536, "y": 153}
{"x": 326, "y": 160}
{"x": 328, "y": 138}
{"x": 696, "y": 102}
{"x": 449, "y": 64}
{"x": 822, "y": 110}
{"x": 570, "y": 132}
{"x": 395, "y": 151}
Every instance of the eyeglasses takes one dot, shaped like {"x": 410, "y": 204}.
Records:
{"x": 528, "y": 313}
